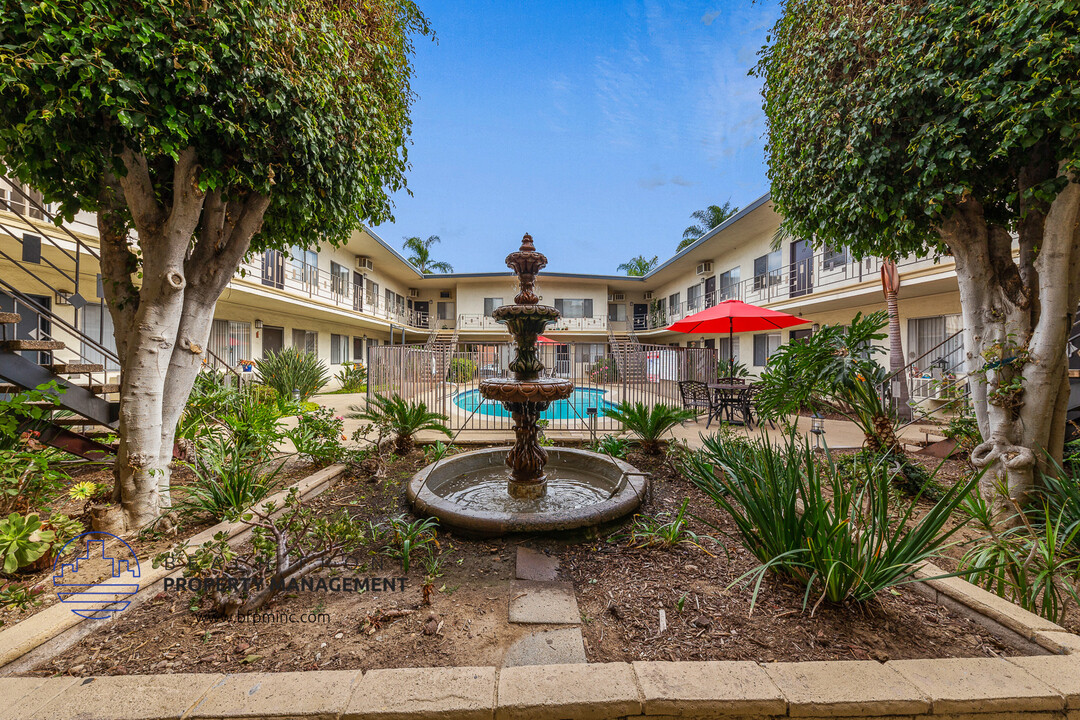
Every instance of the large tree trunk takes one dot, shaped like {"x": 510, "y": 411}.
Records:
{"x": 1017, "y": 318}
{"x": 162, "y": 323}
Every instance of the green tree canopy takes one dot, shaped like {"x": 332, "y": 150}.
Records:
{"x": 420, "y": 255}
{"x": 707, "y": 219}
{"x": 947, "y": 127}
{"x": 638, "y": 266}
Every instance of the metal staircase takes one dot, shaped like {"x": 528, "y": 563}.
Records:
{"x": 39, "y": 345}
{"x": 937, "y": 381}
{"x": 629, "y": 356}
{"x": 444, "y": 344}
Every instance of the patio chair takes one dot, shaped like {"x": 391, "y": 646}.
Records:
{"x": 695, "y": 396}
{"x": 750, "y": 407}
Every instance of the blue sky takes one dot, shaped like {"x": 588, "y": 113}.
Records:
{"x": 596, "y": 126}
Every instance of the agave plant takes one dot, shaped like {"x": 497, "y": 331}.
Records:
{"x": 647, "y": 424}
{"x": 290, "y": 370}
{"x": 403, "y": 418}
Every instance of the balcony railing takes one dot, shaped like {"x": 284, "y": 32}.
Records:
{"x": 820, "y": 272}
{"x": 298, "y": 279}
{"x": 484, "y": 322}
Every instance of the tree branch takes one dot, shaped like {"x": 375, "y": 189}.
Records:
{"x": 146, "y": 211}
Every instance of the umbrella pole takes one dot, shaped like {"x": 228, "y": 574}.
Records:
{"x": 731, "y": 350}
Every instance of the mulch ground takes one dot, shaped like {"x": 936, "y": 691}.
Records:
{"x": 621, "y": 592}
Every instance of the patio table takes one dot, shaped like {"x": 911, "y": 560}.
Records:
{"x": 726, "y": 398}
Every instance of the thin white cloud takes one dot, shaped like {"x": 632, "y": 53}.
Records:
{"x": 710, "y": 16}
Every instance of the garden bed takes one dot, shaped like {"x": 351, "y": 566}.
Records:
{"x": 620, "y": 592}
{"x": 145, "y": 545}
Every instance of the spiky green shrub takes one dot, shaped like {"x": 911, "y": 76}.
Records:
{"x": 352, "y": 377}
{"x": 290, "y": 369}
{"x": 400, "y": 417}
{"x": 648, "y": 424}
{"x": 799, "y": 518}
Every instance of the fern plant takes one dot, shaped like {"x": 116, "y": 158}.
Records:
{"x": 401, "y": 417}
{"x": 648, "y": 424}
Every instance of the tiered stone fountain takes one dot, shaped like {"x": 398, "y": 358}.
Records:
{"x": 474, "y": 492}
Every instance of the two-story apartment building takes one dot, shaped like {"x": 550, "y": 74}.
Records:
{"x": 338, "y": 302}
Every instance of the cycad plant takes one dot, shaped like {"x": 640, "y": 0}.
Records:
{"x": 401, "y": 417}
{"x": 648, "y": 424}
{"x": 291, "y": 370}
{"x": 799, "y": 518}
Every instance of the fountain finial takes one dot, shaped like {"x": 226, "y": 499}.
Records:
{"x": 527, "y": 244}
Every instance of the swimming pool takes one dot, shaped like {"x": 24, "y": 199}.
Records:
{"x": 568, "y": 409}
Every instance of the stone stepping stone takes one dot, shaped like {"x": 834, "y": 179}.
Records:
{"x": 534, "y": 565}
{"x": 547, "y": 647}
{"x": 551, "y": 603}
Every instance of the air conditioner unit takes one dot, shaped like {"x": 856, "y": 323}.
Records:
{"x": 705, "y": 267}
{"x": 413, "y": 292}
{"x": 364, "y": 263}
{"x": 617, "y": 297}
{"x": 648, "y": 294}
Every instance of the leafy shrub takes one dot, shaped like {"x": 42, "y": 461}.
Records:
{"x": 834, "y": 370}
{"x": 319, "y": 436}
{"x": 604, "y": 370}
{"x": 1030, "y": 561}
{"x": 664, "y": 530}
{"x": 23, "y": 540}
{"x": 731, "y": 368}
{"x": 284, "y": 548}
{"x": 28, "y": 406}
{"x": 29, "y": 478}
{"x": 438, "y": 450}
{"x": 234, "y": 470}
{"x": 611, "y": 445}
{"x": 964, "y": 429}
{"x": 909, "y": 477}
{"x": 19, "y": 597}
{"x": 408, "y": 537}
{"x": 403, "y": 418}
{"x": 844, "y": 544}
{"x": 211, "y": 398}
{"x": 290, "y": 369}
{"x": 352, "y": 377}
{"x": 648, "y": 424}
{"x": 462, "y": 370}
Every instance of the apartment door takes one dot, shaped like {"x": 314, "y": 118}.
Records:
{"x": 357, "y": 291}
{"x": 273, "y": 274}
{"x": 801, "y": 280}
{"x": 273, "y": 339}
{"x": 31, "y": 326}
{"x": 562, "y": 360}
{"x": 421, "y": 310}
{"x": 710, "y": 291}
{"x": 641, "y": 316}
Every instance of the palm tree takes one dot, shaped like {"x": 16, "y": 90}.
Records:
{"x": 639, "y": 265}
{"x": 421, "y": 255}
{"x": 707, "y": 219}
{"x": 890, "y": 286}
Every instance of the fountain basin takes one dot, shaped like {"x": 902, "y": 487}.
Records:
{"x": 469, "y": 492}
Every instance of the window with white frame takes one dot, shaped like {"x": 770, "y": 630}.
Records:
{"x": 927, "y": 340}
{"x": 575, "y": 307}
{"x": 832, "y": 259}
{"x": 305, "y": 340}
{"x": 693, "y": 297}
{"x": 339, "y": 349}
{"x": 765, "y": 344}
{"x": 616, "y": 312}
{"x": 490, "y": 304}
{"x": 231, "y": 341}
{"x": 305, "y": 265}
{"x": 339, "y": 280}
{"x": 727, "y": 284}
{"x": 589, "y": 352}
{"x": 727, "y": 348}
{"x": 767, "y": 270}
{"x": 673, "y": 302}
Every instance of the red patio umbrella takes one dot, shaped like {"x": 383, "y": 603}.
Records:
{"x": 544, "y": 340}
{"x": 735, "y": 316}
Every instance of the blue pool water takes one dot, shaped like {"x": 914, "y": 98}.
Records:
{"x": 558, "y": 410}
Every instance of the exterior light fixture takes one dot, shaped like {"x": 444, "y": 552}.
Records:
{"x": 817, "y": 428}
{"x": 258, "y": 324}
{"x": 296, "y": 394}
{"x": 591, "y": 412}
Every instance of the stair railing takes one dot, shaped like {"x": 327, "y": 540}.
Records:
{"x": 949, "y": 385}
